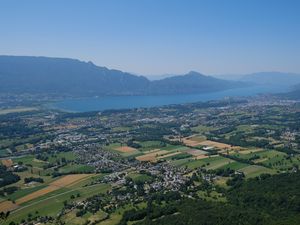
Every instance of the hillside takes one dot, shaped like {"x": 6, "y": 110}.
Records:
{"x": 24, "y": 74}
{"x": 192, "y": 82}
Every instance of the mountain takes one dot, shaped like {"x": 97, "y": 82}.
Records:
{"x": 59, "y": 75}
{"x": 193, "y": 82}
{"x": 272, "y": 78}
{"x": 159, "y": 77}
{"x": 26, "y": 74}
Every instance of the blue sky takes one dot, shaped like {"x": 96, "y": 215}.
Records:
{"x": 158, "y": 36}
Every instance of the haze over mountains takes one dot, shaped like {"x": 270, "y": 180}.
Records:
{"x": 26, "y": 74}
{"x": 23, "y": 74}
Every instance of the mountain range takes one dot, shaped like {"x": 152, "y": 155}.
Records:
{"x": 27, "y": 74}
{"x": 64, "y": 76}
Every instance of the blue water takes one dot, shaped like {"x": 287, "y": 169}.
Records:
{"x": 127, "y": 102}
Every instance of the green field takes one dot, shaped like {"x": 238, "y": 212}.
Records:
{"x": 50, "y": 204}
{"x": 76, "y": 168}
{"x": 137, "y": 177}
{"x": 254, "y": 171}
{"x": 234, "y": 165}
{"x": 208, "y": 163}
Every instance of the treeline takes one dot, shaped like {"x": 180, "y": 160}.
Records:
{"x": 7, "y": 177}
{"x": 264, "y": 200}
{"x": 33, "y": 179}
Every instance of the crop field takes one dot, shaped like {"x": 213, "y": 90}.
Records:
{"x": 55, "y": 185}
{"x": 125, "y": 149}
{"x": 247, "y": 151}
{"x": 7, "y": 162}
{"x": 7, "y": 206}
{"x": 190, "y": 142}
{"x": 213, "y": 162}
{"x": 152, "y": 156}
{"x": 215, "y": 144}
{"x": 16, "y": 110}
{"x": 196, "y": 152}
{"x": 51, "y": 204}
{"x": 168, "y": 155}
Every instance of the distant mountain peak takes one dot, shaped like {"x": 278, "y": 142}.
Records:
{"x": 194, "y": 73}
{"x": 74, "y": 77}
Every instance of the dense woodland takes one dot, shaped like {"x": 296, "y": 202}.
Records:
{"x": 265, "y": 200}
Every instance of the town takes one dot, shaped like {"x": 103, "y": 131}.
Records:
{"x": 108, "y": 167}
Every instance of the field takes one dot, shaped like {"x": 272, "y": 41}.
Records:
{"x": 125, "y": 149}
{"x": 196, "y": 152}
{"x": 215, "y": 144}
{"x": 7, "y": 206}
{"x": 55, "y": 185}
{"x": 254, "y": 170}
{"x": 213, "y": 162}
{"x": 152, "y": 156}
{"x": 7, "y": 162}
{"x": 50, "y": 203}
{"x": 198, "y": 141}
{"x": 16, "y": 110}
{"x": 139, "y": 177}
{"x": 76, "y": 168}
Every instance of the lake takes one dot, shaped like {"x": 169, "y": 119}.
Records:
{"x": 127, "y": 102}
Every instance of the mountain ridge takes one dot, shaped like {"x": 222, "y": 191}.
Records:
{"x": 40, "y": 74}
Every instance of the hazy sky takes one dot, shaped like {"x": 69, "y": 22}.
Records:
{"x": 158, "y": 36}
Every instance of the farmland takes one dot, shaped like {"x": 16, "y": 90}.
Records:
{"x": 73, "y": 168}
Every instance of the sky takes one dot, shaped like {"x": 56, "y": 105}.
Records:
{"x": 154, "y": 37}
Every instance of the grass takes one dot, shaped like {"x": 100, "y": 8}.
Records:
{"x": 211, "y": 196}
{"x": 67, "y": 155}
{"x": 76, "y": 168}
{"x": 150, "y": 145}
{"x": 202, "y": 129}
{"x": 137, "y": 177}
{"x": 71, "y": 218}
{"x": 174, "y": 147}
{"x": 179, "y": 156}
{"x": 30, "y": 159}
{"x": 234, "y": 165}
{"x": 21, "y": 193}
{"x": 115, "y": 217}
{"x": 272, "y": 158}
{"x": 208, "y": 163}
{"x": 255, "y": 170}
{"x": 52, "y": 203}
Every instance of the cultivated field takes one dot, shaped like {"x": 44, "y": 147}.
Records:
{"x": 7, "y": 162}
{"x": 16, "y": 110}
{"x": 7, "y": 206}
{"x": 215, "y": 144}
{"x": 196, "y": 152}
{"x": 151, "y": 156}
{"x": 55, "y": 185}
{"x": 168, "y": 155}
{"x": 125, "y": 149}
